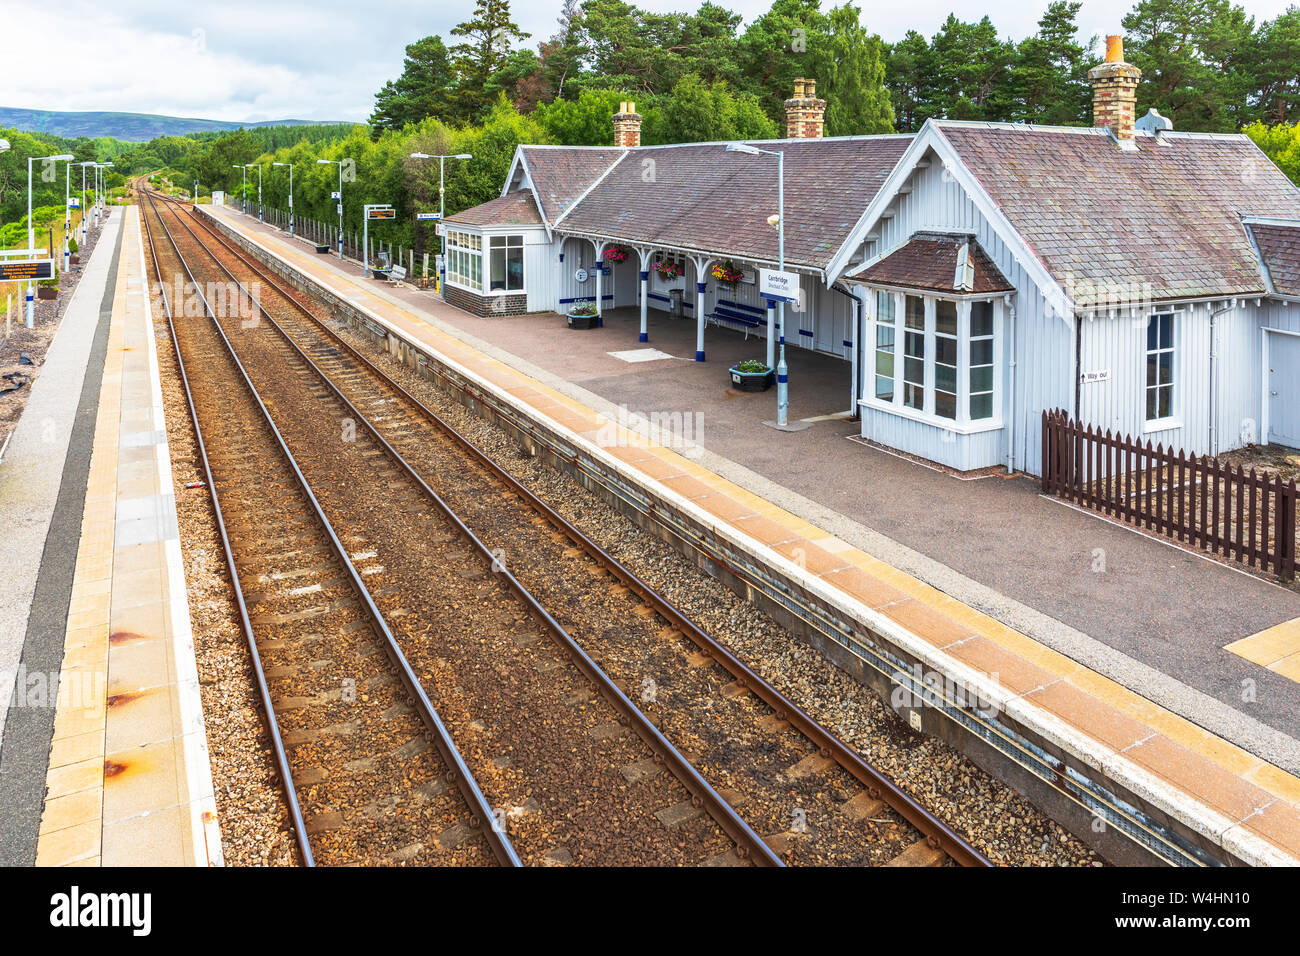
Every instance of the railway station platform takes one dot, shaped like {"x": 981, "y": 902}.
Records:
{"x": 104, "y": 758}
{"x": 985, "y": 583}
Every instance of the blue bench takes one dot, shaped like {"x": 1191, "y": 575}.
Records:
{"x": 740, "y": 317}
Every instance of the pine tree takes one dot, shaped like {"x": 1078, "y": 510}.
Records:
{"x": 422, "y": 90}
{"x": 1050, "y": 76}
{"x": 850, "y": 69}
{"x": 488, "y": 38}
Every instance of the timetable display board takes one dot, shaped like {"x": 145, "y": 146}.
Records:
{"x": 29, "y": 270}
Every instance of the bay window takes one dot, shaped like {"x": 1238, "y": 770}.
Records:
{"x": 937, "y": 359}
{"x": 504, "y": 269}
{"x": 465, "y": 259}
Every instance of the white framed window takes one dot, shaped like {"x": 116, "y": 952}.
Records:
{"x": 945, "y": 358}
{"x": 981, "y": 365}
{"x": 1160, "y": 367}
{"x": 465, "y": 259}
{"x": 886, "y": 333}
{"x": 506, "y": 263}
{"x": 937, "y": 360}
{"x": 914, "y": 352}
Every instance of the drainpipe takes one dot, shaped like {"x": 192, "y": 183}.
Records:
{"x": 1214, "y": 378}
{"x": 1010, "y": 338}
{"x": 1078, "y": 367}
{"x": 857, "y": 345}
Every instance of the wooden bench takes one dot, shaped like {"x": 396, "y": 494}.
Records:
{"x": 731, "y": 315}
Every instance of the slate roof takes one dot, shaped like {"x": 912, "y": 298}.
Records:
{"x": 561, "y": 174}
{"x": 1162, "y": 221}
{"x": 512, "y": 209}
{"x": 928, "y": 262}
{"x": 699, "y": 196}
{"x": 1279, "y": 246}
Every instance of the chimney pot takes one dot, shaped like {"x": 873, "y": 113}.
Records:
{"x": 1114, "y": 92}
{"x": 805, "y": 115}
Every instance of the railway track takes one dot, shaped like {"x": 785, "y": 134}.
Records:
{"x": 783, "y": 775}
{"x": 353, "y": 734}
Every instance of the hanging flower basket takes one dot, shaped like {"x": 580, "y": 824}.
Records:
{"x": 726, "y": 272}
{"x": 668, "y": 269}
{"x": 615, "y": 254}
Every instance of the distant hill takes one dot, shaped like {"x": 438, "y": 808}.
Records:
{"x": 131, "y": 127}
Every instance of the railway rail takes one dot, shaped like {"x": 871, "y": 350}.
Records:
{"x": 765, "y": 766}
{"x": 303, "y": 605}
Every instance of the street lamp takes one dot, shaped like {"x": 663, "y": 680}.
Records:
{"x": 259, "y": 188}
{"x": 339, "y": 195}
{"x": 442, "y": 167}
{"x": 782, "y": 372}
{"x": 243, "y": 192}
{"x": 31, "y": 228}
{"x": 290, "y": 165}
{"x": 99, "y": 189}
{"x": 83, "y": 165}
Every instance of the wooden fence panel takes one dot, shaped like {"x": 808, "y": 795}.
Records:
{"x": 1249, "y": 517}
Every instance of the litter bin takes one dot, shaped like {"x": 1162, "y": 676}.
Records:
{"x": 676, "y": 307}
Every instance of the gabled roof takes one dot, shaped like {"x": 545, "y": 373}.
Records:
{"x": 1162, "y": 221}
{"x": 701, "y": 197}
{"x": 937, "y": 262}
{"x": 561, "y": 174}
{"x": 1278, "y": 241}
{"x": 512, "y": 209}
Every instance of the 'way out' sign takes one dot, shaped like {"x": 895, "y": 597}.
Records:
{"x": 782, "y": 286}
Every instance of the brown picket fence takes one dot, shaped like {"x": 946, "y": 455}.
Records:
{"x": 1245, "y": 516}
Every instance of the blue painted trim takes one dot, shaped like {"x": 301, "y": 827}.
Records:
{"x": 783, "y": 379}
{"x": 645, "y": 276}
{"x": 699, "y": 356}
{"x": 600, "y": 322}
{"x": 848, "y": 344}
{"x": 805, "y": 332}
{"x": 561, "y": 256}
{"x": 658, "y": 297}
{"x": 642, "y": 337}
{"x": 701, "y": 287}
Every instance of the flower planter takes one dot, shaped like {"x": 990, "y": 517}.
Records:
{"x": 322, "y": 247}
{"x": 47, "y": 292}
{"x": 582, "y": 321}
{"x": 74, "y": 259}
{"x": 751, "y": 381}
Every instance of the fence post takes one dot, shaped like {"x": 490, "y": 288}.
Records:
{"x": 1286, "y": 521}
{"x": 1046, "y": 449}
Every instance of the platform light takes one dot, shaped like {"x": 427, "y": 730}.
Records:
{"x": 290, "y": 165}
{"x": 339, "y": 163}
{"x": 31, "y": 229}
{"x": 259, "y": 188}
{"x": 442, "y": 209}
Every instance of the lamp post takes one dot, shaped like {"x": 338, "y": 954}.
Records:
{"x": 442, "y": 212}
{"x": 243, "y": 191}
{"x": 103, "y": 183}
{"x": 67, "y": 214}
{"x": 196, "y": 192}
{"x": 89, "y": 162}
{"x": 31, "y": 229}
{"x": 290, "y": 165}
{"x": 339, "y": 163}
{"x": 259, "y": 188}
{"x": 782, "y": 371}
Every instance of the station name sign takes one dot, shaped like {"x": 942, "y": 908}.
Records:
{"x": 781, "y": 286}
{"x": 26, "y": 271}
{"x": 426, "y": 216}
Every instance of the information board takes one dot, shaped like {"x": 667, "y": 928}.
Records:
{"x": 26, "y": 270}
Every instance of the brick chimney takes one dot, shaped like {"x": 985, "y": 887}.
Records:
{"x": 627, "y": 126}
{"x": 1114, "y": 91}
{"x": 805, "y": 115}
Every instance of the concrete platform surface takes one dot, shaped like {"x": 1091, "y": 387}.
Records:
{"x": 120, "y": 774}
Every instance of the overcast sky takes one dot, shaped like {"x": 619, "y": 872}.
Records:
{"x": 287, "y": 59}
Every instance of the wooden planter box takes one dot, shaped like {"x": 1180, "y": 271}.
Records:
{"x": 751, "y": 381}
{"x": 47, "y": 292}
{"x": 322, "y": 247}
{"x": 582, "y": 321}
{"x": 74, "y": 259}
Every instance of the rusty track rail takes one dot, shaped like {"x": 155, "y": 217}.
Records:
{"x": 482, "y": 815}
{"x": 749, "y": 845}
{"x": 877, "y": 784}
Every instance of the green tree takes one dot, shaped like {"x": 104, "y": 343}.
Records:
{"x": 1281, "y": 144}
{"x": 1193, "y": 55}
{"x": 696, "y": 111}
{"x": 971, "y": 66}
{"x": 849, "y": 65}
{"x": 488, "y": 39}
{"x": 907, "y": 73}
{"x": 422, "y": 90}
{"x": 778, "y": 47}
{"x": 1275, "y": 69}
{"x": 1050, "y": 77}
{"x": 584, "y": 121}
